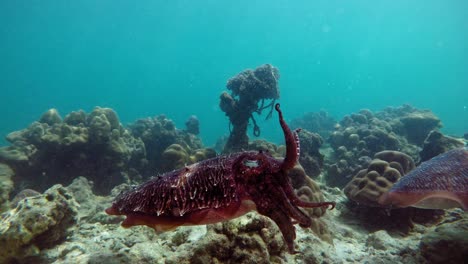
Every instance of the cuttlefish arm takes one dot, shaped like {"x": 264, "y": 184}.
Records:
{"x": 439, "y": 183}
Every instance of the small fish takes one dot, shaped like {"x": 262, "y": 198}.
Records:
{"x": 439, "y": 183}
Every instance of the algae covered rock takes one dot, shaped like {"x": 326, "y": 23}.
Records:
{"x": 37, "y": 222}
{"x": 448, "y": 243}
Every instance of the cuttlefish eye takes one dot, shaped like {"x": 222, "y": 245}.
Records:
{"x": 251, "y": 163}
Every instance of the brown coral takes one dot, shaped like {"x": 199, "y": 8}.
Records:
{"x": 176, "y": 156}
{"x": 308, "y": 190}
{"x": 249, "y": 90}
{"x": 54, "y": 151}
{"x": 386, "y": 169}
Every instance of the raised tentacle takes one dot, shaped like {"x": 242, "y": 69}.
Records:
{"x": 291, "y": 140}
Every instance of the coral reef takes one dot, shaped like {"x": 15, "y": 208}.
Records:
{"x": 193, "y": 125}
{"x": 318, "y": 122}
{"x": 308, "y": 190}
{"x": 54, "y": 151}
{"x": 311, "y": 158}
{"x": 250, "y": 239}
{"x": 6, "y": 185}
{"x": 437, "y": 143}
{"x": 164, "y": 142}
{"x": 176, "y": 156}
{"x": 248, "y": 89}
{"x": 359, "y": 236}
{"x": 36, "y": 223}
{"x": 384, "y": 171}
{"x": 417, "y": 125}
{"x": 360, "y": 135}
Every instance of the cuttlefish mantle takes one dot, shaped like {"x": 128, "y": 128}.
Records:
{"x": 439, "y": 183}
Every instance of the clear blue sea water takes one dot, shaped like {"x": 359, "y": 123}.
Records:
{"x": 144, "y": 58}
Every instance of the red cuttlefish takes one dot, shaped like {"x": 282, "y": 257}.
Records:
{"x": 220, "y": 189}
{"x": 439, "y": 183}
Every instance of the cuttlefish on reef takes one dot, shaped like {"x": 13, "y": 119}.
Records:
{"x": 439, "y": 183}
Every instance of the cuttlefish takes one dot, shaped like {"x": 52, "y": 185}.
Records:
{"x": 439, "y": 183}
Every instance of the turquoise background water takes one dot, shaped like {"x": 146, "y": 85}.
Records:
{"x": 145, "y": 58}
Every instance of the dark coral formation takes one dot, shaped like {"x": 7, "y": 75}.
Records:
{"x": 249, "y": 90}
{"x": 318, "y": 122}
{"x": 437, "y": 143}
{"x": 418, "y": 124}
{"x": 311, "y": 158}
{"x": 167, "y": 147}
{"x": 193, "y": 125}
{"x": 6, "y": 185}
{"x": 361, "y": 135}
{"x": 383, "y": 172}
{"x": 56, "y": 151}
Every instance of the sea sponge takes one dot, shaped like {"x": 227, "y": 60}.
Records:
{"x": 386, "y": 169}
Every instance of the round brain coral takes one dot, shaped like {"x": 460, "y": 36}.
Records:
{"x": 384, "y": 171}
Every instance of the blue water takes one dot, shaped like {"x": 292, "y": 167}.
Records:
{"x": 145, "y": 58}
